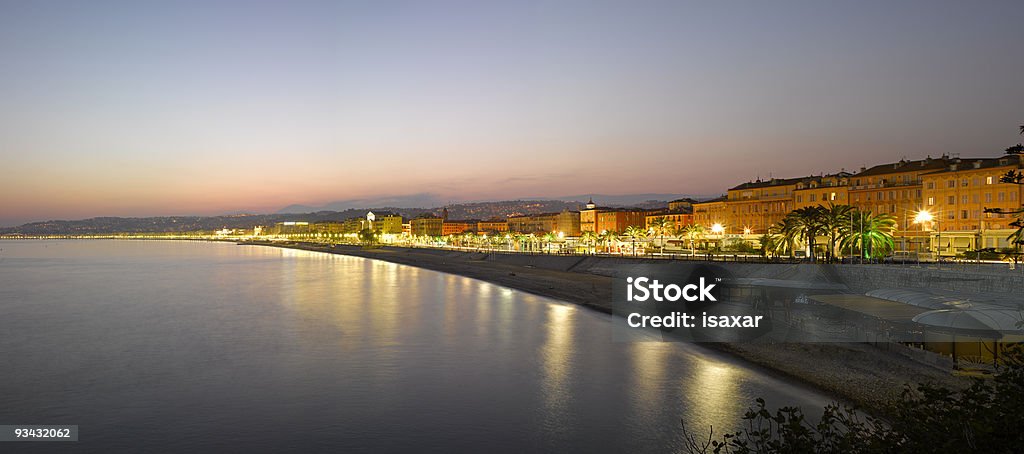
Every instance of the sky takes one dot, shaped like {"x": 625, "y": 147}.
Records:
{"x": 142, "y": 108}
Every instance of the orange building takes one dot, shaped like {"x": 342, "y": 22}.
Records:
{"x": 955, "y": 192}
{"x": 588, "y": 217}
{"x": 755, "y": 206}
{"x": 680, "y": 205}
{"x": 896, "y": 189}
{"x": 822, "y": 190}
{"x": 710, "y": 212}
{"x": 956, "y": 197}
{"x": 456, "y": 227}
{"x": 618, "y": 219}
{"x": 679, "y": 219}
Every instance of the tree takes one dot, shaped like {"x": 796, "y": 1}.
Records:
{"x": 982, "y": 418}
{"x": 804, "y": 225}
{"x": 662, "y": 225}
{"x": 549, "y": 238}
{"x": 694, "y": 233}
{"x": 835, "y": 221}
{"x": 780, "y": 244}
{"x": 1013, "y": 177}
{"x": 608, "y": 237}
{"x": 634, "y": 233}
{"x": 871, "y": 235}
{"x": 368, "y": 236}
{"x": 588, "y": 239}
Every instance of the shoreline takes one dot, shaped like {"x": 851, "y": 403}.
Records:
{"x": 867, "y": 376}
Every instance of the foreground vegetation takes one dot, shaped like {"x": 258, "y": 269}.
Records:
{"x": 985, "y": 417}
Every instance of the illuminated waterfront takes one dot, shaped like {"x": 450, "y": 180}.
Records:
{"x": 179, "y": 345}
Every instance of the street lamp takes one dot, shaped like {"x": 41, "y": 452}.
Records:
{"x": 718, "y": 229}
{"x": 924, "y": 217}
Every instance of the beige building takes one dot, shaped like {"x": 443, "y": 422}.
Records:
{"x": 492, "y": 225}
{"x": 426, "y": 224}
{"x": 565, "y": 222}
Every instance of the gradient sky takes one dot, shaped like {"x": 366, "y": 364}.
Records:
{"x": 152, "y": 108}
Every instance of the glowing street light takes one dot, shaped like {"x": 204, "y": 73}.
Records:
{"x": 717, "y": 228}
{"x": 923, "y": 216}
{"x": 746, "y": 231}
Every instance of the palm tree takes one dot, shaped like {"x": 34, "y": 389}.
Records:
{"x": 549, "y": 238}
{"x": 662, "y": 225}
{"x": 608, "y": 237}
{"x": 871, "y": 235}
{"x": 781, "y": 238}
{"x": 835, "y": 221}
{"x": 588, "y": 238}
{"x": 694, "y": 233}
{"x": 634, "y": 233}
{"x": 804, "y": 225}
{"x": 521, "y": 239}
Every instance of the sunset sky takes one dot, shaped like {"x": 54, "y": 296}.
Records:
{"x": 152, "y": 108}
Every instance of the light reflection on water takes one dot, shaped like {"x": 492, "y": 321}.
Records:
{"x": 183, "y": 346}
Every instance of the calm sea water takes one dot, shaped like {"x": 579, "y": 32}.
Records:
{"x": 190, "y": 346}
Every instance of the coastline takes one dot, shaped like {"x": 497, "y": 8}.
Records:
{"x": 865, "y": 375}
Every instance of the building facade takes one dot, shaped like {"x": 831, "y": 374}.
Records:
{"x": 492, "y": 226}
{"x": 619, "y": 219}
{"x": 565, "y": 222}
{"x": 456, "y": 227}
{"x": 953, "y": 192}
{"x": 428, "y": 225}
{"x": 679, "y": 219}
{"x": 956, "y": 198}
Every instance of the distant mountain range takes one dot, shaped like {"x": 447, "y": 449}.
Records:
{"x": 341, "y": 210}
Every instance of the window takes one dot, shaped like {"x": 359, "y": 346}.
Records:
{"x": 963, "y": 182}
{"x": 951, "y": 215}
{"x": 813, "y": 198}
{"x": 799, "y": 199}
{"x": 964, "y": 200}
{"x": 892, "y": 195}
{"x": 1013, "y": 196}
{"x": 963, "y": 214}
{"x": 931, "y": 200}
{"x": 918, "y": 196}
{"x": 988, "y": 180}
{"x": 976, "y": 182}
{"x": 881, "y": 195}
{"x": 975, "y": 198}
{"x": 833, "y": 196}
{"x": 931, "y": 184}
{"x": 988, "y": 197}
{"x": 951, "y": 184}
{"x": 952, "y": 200}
